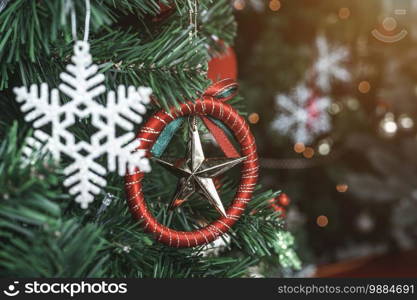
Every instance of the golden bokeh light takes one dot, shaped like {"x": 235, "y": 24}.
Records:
{"x": 322, "y": 221}
{"x": 253, "y": 118}
{"x": 299, "y": 147}
{"x": 335, "y": 108}
{"x": 239, "y": 4}
{"x": 308, "y": 152}
{"x": 364, "y": 87}
{"x": 274, "y": 5}
{"x": 344, "y": 13}
{"x": 353, "y": 104}
{"x": 342, "y": 188}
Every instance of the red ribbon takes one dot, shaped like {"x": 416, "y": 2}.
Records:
{"x": 223, "y": 90}
{"x": 149, "y": 134}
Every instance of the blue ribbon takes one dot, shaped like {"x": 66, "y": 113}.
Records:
{"x": 166, "y": 136}
{"x": 169, "y": 131}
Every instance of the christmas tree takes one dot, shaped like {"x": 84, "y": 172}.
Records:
{"x": 162, "y": 45}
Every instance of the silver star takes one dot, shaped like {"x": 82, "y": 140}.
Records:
{"x": 197, "y": 172}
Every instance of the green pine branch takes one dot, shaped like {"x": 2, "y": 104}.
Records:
{"x": 36, "y": 43}
{"x": 45, "y": 234}
{"x": 42, "y": 230}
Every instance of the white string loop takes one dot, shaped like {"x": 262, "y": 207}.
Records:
{"x": 70, "y": 6}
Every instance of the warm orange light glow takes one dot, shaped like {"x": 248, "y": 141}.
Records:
{"x": 322, "y": 221}
{"x": 253, "y": 118}
{"x": 299, "y": 147}
{"x": 342, "y": 188}
{"x": 274, "y": 5}
{"x": 344, "y": 13}
{"x": 239, "y": 4}
{"x": 364, "y": 87}
{"x": 308, "y": 152}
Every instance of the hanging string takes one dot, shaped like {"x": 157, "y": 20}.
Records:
{"x": 73, "y": 21}
{"x": 71, "y": 7}
{"x": 87, "y": 20}
{"x": 193, "y": 19}
{"x": 107, "y": 200}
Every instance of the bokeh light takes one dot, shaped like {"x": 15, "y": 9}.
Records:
{"x": 274, "y": 5}
{"x": 253, "y": 118}
{"x": 324, "y": 147}
{"x": 239, "y": 4}
{"x": 388, "y": 127}
{"x": 342, "y": 188}
{"x": 335, "y": 108}
{"x": 299, "y": 147}
{"x": 322, "y": 221}
{"x": 344, "y": 13}
{"x": 405, "y": 122}
{"x": 308, "y": 152}
{"x": 364, "y": 87}
{"x": 352, "y": 104}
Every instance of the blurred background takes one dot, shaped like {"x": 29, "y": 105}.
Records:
{"x": 332, "y": 97}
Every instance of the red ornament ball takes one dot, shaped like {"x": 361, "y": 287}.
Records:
{"x": 164, "y": 12}
{"x": 224, "y": 66}
{"x": 281, "y": 210}
{"x": 279, "y": 204}
{"x": 284, "y": 200}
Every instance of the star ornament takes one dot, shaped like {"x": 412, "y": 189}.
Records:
{"x": 196, "y": 172}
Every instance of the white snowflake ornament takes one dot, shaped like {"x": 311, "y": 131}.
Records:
{"x": 82, "y": 84}
{"x": 303, "y": 114}
{"x": 329, "y": 65}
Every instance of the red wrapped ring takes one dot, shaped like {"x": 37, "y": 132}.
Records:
{"x": 148, "y": 135}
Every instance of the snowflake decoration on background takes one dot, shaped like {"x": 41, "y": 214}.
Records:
{"x": 82, "y": 83}
{"x": 328, "y": 66}
{"x": 257, "y": 5}
{"x": 404, "y": 222}
{"x": 303, "y": 114}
